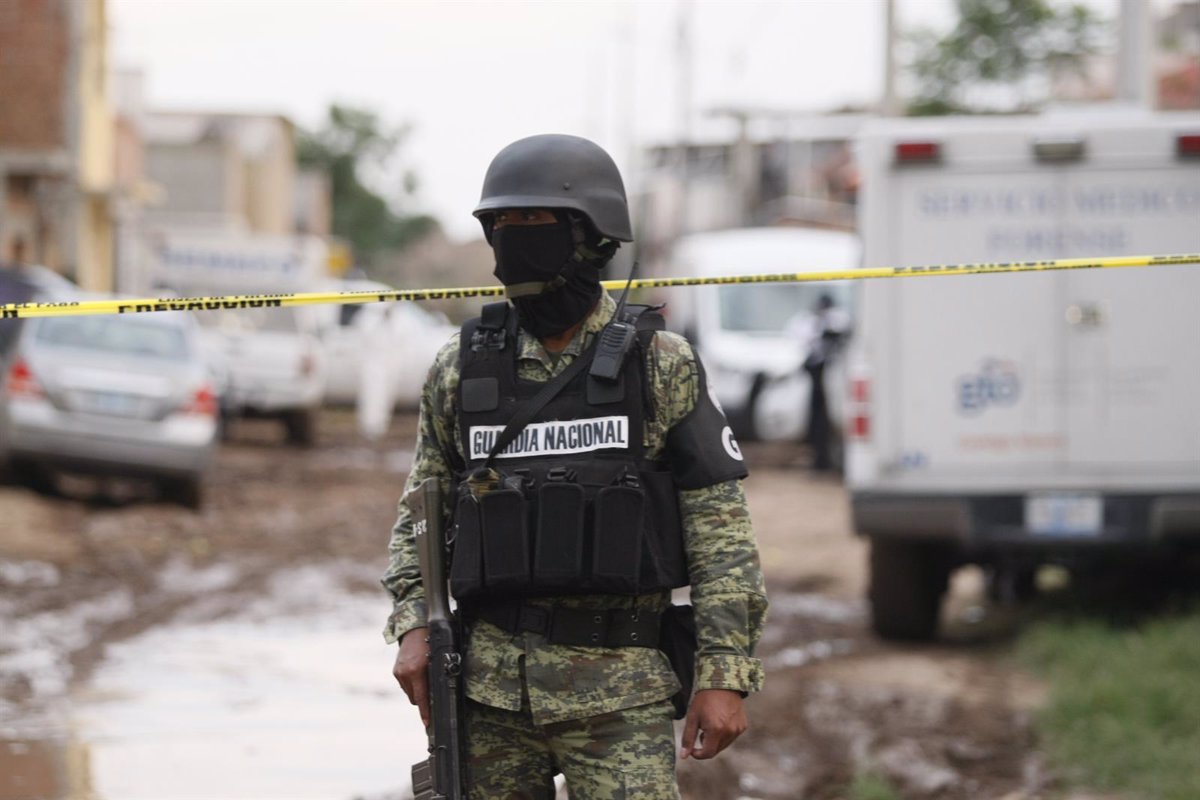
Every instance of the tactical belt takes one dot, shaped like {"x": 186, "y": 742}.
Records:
{"x": 603, "y": 627}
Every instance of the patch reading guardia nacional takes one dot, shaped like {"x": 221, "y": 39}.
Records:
{"x": 559, "y": 437}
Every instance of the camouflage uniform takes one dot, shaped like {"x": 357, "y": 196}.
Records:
{"x": 553, "y": 685}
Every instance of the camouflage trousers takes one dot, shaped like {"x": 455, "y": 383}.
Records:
{"x": 621, "y": 755}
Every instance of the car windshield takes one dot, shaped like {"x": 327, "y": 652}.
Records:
{"x": 114, "y": 335}
{"x": 767, "y": 308}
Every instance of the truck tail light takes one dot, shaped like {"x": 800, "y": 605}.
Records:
{"x": 860, "y": 390}
{"x": 924, "y": 152}
{"x": 22, "y": 382}
{"x": 203, "y": 402}
{"x": 1187, "y": 145}
{"x": 860, "y": 409}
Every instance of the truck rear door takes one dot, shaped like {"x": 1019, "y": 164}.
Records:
{"x": 1043, "y": 379}
{"x": 973, "y": 357}
{"x": 1132, "y": 336}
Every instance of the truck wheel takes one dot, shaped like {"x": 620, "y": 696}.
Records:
{"x": 908, "y": 580}
{"x": 187, "y": 492}
{"x": 1010, "y": 586}
{"x": 301, "y": 427}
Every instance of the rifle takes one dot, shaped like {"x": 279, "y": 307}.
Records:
{"x": 442, "y": 775}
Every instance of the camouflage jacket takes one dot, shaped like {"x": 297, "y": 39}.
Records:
{"x": 564, "y": 682}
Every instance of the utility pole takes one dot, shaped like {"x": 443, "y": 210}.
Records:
{"x": 1135, "y": 55}
{"x": 745, "y": 168}
{"x": 683, "y": 74}
{"x": 889, "y": 105}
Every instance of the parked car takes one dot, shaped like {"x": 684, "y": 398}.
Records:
{"x": 114, "y": 395}
{"x": 272, "y": 364}
{"x": 747, "y": 334}
{"x": 29, "y": 283}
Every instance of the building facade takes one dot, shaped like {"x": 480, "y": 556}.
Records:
{"x": 223, "y": 171}
{"x": 57, "y": 138}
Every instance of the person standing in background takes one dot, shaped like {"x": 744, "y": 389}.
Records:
{"x": 824, "y": 337}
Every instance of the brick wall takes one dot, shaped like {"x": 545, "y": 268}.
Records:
{"x": 33, "y": 73}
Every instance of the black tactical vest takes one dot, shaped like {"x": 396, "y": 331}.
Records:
{"x": 574, "y": 507}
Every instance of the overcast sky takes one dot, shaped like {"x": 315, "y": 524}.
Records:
{"x": 470, "y": 77}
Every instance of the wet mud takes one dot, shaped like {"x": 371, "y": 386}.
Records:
{"x": 90, "y": 569}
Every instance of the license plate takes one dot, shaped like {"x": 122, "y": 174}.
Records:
{"x": 115, "y": 403}
{"x": 1064, "y": 514}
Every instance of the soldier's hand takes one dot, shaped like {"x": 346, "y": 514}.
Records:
{"x": 714, "y": 719}
{"x": 411, "y": 670}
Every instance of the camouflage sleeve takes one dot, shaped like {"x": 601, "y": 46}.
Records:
{"x": 727, "y": 586}
{"x": 727, "y": 582}
{"x": 436, "y": 449}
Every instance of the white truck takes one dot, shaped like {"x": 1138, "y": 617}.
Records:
{"x": 1021, "y": 419}
{"x": 750, "y": 335}
{"x": 272, "y": 359}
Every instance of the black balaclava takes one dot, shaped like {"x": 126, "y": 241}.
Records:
{"x": 551, "y": 272}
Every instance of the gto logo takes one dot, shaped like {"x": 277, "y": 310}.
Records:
{"x": 996, "y": 384}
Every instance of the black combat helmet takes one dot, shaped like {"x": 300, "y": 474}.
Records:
{"x": 553, "y": 170}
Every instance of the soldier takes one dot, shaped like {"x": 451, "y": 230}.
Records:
{"x": 625, "y": 484}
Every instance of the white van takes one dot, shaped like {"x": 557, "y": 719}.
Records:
{"x": 746, "y": 333}
{"x": 1012, "y": 420}
{"x": 272, "y": 360}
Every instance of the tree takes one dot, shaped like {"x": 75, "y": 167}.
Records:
{"x": 1002, "y": 56}
{"x": 354, "y": 139}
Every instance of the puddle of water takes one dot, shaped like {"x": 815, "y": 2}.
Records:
{"x": 28, "y": 574}
{"x": 819, "y": 607}
{"x": 367, "y": 459}
{"x": 50, "y": 769}
{"x": 291, "y": 698}
{"x": 806, "y": 654}
{"x": 34, "y": 649}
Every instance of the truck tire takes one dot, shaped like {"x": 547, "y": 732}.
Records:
{"x": 301, "y": 427}
{"x": 1012, "y": 586}
{"x": 908, "y": 580}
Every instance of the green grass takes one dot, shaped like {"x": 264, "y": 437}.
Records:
{"x": 1124, "y": 710}
{"x": 870, "y": 786}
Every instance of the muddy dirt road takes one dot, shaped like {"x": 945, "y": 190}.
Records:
{"x": 95, "y": 567}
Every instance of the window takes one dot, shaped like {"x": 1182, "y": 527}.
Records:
{"x": 769, "y": 307}
{"x": 114, "y": 335}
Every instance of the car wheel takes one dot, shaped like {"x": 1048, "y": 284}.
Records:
{"x": 225, "y": 425}
{"x": 187, "y": 492}
{"x": 32, "y": 475}
{"x": 301, "y": 427}
{"x": 907, "y": 582}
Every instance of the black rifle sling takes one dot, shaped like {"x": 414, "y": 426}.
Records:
{"x": 527, "y": 412}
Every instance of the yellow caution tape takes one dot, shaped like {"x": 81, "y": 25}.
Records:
{"x": 80, "y": 307}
